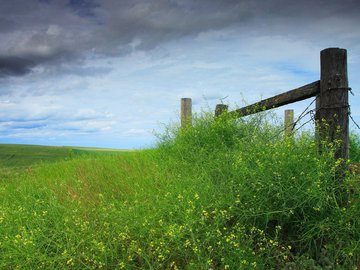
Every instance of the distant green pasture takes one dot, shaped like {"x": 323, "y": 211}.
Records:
{"x": 18, "y": 155}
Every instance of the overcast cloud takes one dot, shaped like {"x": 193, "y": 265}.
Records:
{"x": 106, "y": 73}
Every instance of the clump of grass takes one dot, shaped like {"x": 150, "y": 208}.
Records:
{"x": 223, "y": 194}
{"x": 354, "y": 148}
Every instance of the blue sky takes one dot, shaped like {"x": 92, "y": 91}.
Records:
{"x": 111, "y": 73}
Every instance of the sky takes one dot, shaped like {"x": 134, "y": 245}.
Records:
{"x": 111, "y": 73}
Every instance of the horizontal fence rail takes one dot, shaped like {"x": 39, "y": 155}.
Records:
{"x": 295, "y": 95}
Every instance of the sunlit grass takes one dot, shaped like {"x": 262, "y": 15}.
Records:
{"x": 224, "y": 194}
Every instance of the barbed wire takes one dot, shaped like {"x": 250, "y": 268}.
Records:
{"x": 349, "y": 112}
{"x": 352, "y": 119}
{"x": 312, "y": 112}
{"x": 303, "y": 114}
{"x": 312, "y": 119}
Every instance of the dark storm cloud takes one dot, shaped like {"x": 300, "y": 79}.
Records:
{"x": 6, "y": 25}
{"x": 14, "y": 66}
{"x": 43, "y": 32}
{"x": 311, "y": 8}
{"x": 153, "y": 22}
{"x": 18, "y": 66}
{"x": 157, "y": 21}
{"x": 83, "y": 7}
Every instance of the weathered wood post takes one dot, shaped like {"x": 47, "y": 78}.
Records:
{"x": 220, "y": 109}
{"x": 288, "y": 122}
{"x": 186, "y": 112}
{"x": 332, "y": 106}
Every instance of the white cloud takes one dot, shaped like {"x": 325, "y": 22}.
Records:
{"x": 135, "y": 132}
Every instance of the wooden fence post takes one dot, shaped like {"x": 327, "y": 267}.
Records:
{"x": 332, "y": 106}
{"x": 186, "y": 112}
{"x": 289, "y": 123}
{"x": 220, "y": 109}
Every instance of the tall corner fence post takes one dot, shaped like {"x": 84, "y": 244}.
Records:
{"x": 332, "y": 106}
{"x": 288, "y": 123}
{"x": 186, "y": 112}
{"x": 220, "y": 109}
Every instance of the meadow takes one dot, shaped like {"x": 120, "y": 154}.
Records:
{"x": 23, "y": 155}
{"x": 223, "y": 194}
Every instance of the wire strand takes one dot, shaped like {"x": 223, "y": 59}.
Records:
{"x": 352, "y": 119}
{"x": 303, "y": 114}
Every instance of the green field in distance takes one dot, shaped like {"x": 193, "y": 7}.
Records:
{"x": 21, "y": 155}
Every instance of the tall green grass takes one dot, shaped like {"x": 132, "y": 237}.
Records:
{"x": 354, "y": 147}
{"x": 17, "y": 155}
{"x": 223, "y": 194}
{"x": 23, "y": 155}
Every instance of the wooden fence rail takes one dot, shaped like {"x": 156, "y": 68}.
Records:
{"x": 298, "y": 94}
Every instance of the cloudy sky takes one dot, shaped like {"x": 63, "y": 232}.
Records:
{"x": 108, "y": 73}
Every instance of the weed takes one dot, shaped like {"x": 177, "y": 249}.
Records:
{"x": 223, "y": 194}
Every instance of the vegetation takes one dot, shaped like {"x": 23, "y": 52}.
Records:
{"x": 12, "y": 155}
{"x": 354, "y": 147}
{"x": 23, "y": 155}
{"x": 223, "y": 194}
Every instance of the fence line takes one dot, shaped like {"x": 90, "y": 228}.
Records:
{"x": 332, "y": 102}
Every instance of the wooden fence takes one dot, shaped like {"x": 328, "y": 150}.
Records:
{"x": 332, "y": 102}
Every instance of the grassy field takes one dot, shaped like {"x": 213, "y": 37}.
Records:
{"x": 22, "y": 155}
{"x": 224, "y": 194}
{"x": 25, "y": 155}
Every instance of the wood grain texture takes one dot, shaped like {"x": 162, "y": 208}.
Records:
{"x": 288, "y": 122}
{"x": 333, "y": 101}
{"x": 186, "y": 112}
{"x": 298, "y": 94}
